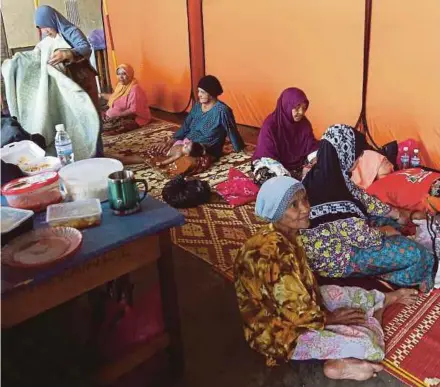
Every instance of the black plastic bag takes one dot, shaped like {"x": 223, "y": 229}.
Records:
{"x": 182, "y": 193}
{"x": 12, "y": 131}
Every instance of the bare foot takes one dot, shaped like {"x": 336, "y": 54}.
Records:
{"x": 401, "y": 296}
{"x": 353, "y": 369}
{"x": 133, "y": 159}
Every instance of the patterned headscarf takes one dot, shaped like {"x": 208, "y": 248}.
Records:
{"x": 274, "y": 197}
{"x": 332, "y": 194}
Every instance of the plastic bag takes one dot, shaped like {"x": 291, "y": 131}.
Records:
{"x": 238, "y": 189}
{"x": 182, "y": 193}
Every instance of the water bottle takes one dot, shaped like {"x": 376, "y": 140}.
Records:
{"x": 63, "y": 145}
{"x": 415, "y": 160}
{"x": 404, "y": 158}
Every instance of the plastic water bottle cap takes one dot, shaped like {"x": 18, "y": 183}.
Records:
{"x": 405, "y": 149}
{"x": 416, "y": 151}
{"x": 59, "y": 127}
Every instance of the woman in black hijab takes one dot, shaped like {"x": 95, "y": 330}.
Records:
{"x": 341, "y": 242}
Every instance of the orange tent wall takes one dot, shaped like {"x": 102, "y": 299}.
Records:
{"x": 259, "y": 48}
{"x": 404, "y": 79}
{"x": 152, "y": 36}
{"x": 268, "y": 46}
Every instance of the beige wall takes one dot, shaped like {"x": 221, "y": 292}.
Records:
{"x": 18, "y": 16}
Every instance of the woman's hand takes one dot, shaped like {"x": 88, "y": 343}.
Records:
{"x": 60, "y": 56}
{"x": 345, "y": 316}
{"x": 401, "y": 216}
{"x": 389, "y": 230}
{"x": 105, "y": 96}
{"x": 306, "y": 170}
{"x": 162, "y": 148}
{"x": 404, "y": 217}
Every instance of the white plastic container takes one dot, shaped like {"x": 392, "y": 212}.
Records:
{"x": 87, "y": 179}
{"x": 33, "y": 192}
{"x": 79, "y": 214}
{"x": 29, "y": 157}
{"x": 22, "y": 152}
{"x": 46, "y": 164}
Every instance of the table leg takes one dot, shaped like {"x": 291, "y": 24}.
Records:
{"x": 170, "y": 303}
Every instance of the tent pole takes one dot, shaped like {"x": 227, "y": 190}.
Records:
{"x": 110, "y": 35}
{"x": 362, "y": 123}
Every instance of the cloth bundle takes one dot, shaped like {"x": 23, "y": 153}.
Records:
{"x": 266, "y": 168}
{"x": 42, "y": 96}
{"x": 238, "y": 189}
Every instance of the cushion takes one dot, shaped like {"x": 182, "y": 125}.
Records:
{"x": 404, "y": 189}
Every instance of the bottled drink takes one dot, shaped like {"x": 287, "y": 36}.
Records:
{"x": 63, "y": 145}
{"x": 404, "y": 158}
{"x": 415, "y": 160}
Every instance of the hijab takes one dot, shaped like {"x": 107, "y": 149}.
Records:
{"x": 123, "y": 90}
{"x": 283, "y": 139}
{"x": 274, "y": 197}
{"x": 332, "y": 194}
{"x": 366, "y": 169}
{"x": 48, "y": 17}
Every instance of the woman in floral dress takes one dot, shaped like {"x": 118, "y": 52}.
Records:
{"x": 286, "y": 316}
{"x": 344, "y": 238}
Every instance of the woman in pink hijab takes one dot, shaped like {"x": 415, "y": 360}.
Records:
{"x": 286, "y": 137}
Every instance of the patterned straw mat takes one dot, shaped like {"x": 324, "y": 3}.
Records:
{"x": 214, "y": 232}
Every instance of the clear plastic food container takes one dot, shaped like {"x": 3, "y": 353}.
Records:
{"x": 33, "y": 192}
{"x": 78, "y": 214}
{"x": 44, "y": 164}
{"x": 87, "y": 179}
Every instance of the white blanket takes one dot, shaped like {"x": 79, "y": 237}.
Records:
{"x": 41, "y": 96}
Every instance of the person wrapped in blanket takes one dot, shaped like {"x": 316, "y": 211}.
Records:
{"x": 50, "y": 22}
{"x": 128, "y": 106}
{"x": 341, "y": 241}
{"x": 286, "y": 139}
{"x": 286, "y": 315}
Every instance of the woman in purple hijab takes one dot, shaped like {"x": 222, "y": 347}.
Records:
{"x": 285, "y": 138}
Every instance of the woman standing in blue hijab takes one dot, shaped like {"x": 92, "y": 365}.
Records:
{"x": 51, "y": 22}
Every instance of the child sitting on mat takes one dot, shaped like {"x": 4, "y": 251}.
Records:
{"x": 182, "y": 148}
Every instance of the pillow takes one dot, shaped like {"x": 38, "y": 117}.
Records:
{"x": 404, "y": 189}
{"x": 238, "y": 189}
